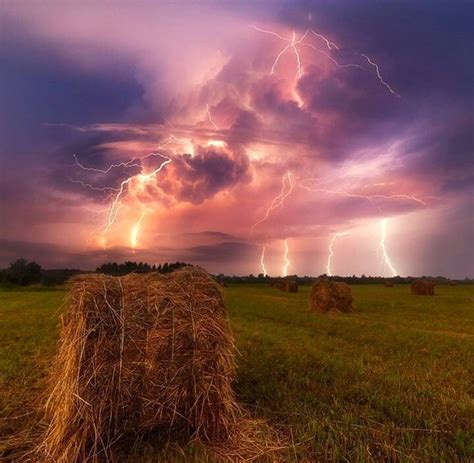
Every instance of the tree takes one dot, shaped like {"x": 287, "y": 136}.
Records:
{"x": 22, "y": 272}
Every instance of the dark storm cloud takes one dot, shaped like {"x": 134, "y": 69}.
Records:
{"x": 54, "y": 256}
{"x": 227, "y": 251}
{"x": 40, "y": 85}
{"x": 424, "y": 50}
{"x": 425, "y": 46}
{"x": 443, "y": 153}
{"x": 210, "y": 234}
{"x": 210, "y": 170}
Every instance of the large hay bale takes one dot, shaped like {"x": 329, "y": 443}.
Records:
{"x": 422, "y": 288}
{"x": 140, "y": 353}
{"x": 388, "y": 283}
{"x": 328, "y": 296}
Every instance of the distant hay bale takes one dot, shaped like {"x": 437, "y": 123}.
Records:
{"x": 290, "y": 286}
{"x": 328, "y": 296}
{"x": 452, "y": 283}
{"x": 141, "y": 353}
{"x": 388, "y": 283}
{"x": 279, "y": 284}
{"x": 422, "y": 288}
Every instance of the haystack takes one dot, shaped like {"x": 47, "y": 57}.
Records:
{"x": 388, "y": 283}
{"x": 290, "y": 286}
{"x": 279, "y": 284}
{"x": 422, "y": 288}
{"x": 141, "y": 353}
{"x": 328, "y": 296}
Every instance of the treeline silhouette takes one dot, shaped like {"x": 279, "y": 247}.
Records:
{"x": 113, "y": 268}
{"x": 22, "y": 272}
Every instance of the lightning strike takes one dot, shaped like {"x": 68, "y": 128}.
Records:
{"x": 209, "y": 117}
{"x": 386, "y": 258}
{"x": 135, "y": 231}
{"x": 286, "y": 260}
{"x": 262, "y": 263}
{"x": 328, "y": 43}
{"x": 142, "y": 179}
{"x": 116, "y": 195}
{"x": 130, "y": 163}
{"x": 331, "y": 250}
{"x": 294, "y": 43}
{"x": 278, "y": 201}
{"x": 422, "y": 201}
{"x": 377, "y": 70}
{"x": 104, "y": 189}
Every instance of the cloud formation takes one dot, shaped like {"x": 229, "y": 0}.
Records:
{"x": 356, "y": 152}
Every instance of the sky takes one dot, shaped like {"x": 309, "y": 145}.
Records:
{"x": 281, "y": 137}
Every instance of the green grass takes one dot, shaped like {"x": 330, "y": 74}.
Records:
{"x": 392, "y": 382}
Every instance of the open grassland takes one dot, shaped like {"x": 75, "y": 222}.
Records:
{"x": 393, "y": 381}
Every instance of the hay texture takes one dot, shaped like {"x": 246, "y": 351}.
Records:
{"x": 422, "y": 288}
{"x": 140, "y": 353}
{"x": 330, "y": 296}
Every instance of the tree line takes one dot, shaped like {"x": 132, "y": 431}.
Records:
{"x": 22, "y": 272}
{"x": 113, "y": 268}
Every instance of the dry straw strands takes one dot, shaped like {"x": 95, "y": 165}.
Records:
{"x": 328, "y": 296}
{"x": 145, "y": 353}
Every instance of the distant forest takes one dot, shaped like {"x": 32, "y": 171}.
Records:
{"x": 24, "y": 273}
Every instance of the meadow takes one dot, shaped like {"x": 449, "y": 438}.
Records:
{"x": 393, "y": 381}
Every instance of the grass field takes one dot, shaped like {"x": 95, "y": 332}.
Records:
{"x": 392, "y": 382}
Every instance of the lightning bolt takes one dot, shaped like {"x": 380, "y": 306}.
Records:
{"x": 131, "y": 163}
{"x": 135, "y": 230}
{"x": 377, "y": 70}
{"x": 173, "y": 139}
{"x": 141, "y": 179}
{"x": 422, "y": 201}
{"x": 262, "y": 263}
{"x": 331, "y": 250}
{"x": 292, "y": 46}
{"x": 209, "y": 117}
{"x": 386, "y": 259}
{"x": 278, "y": 201}
{"x": 104, "y": 189}
{"x": 286, "y": 260}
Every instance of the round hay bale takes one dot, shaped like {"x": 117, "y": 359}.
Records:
{"x": 328, "y": 296}
{"x": 139, "y": 353}
{"x": 290, "y": 286}
{"x": 422, "y": 288}
{"x": 279, "y": 284}
{"x": 388, "y": 283}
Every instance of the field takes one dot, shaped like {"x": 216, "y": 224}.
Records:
{"x": 392, "y": 382}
